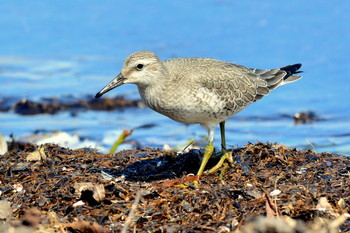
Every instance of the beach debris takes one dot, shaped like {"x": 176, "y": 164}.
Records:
{"x": 37, "y": 155}
{"x": 54, "y": 105}
{"x": 85, "y": 226}
{"x": 315, "y": 200}
{"x": 60, "y": 138}
{"x": 122, "y": 137}
{"x": 305, "y": 117}
{"x": 5, "y": 210}
{"x": 3, "y": 145}
{"x": 90, "y": 192}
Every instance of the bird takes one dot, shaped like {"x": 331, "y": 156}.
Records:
{"x": 199, "y": 90}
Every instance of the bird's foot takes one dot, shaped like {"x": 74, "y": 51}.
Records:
{"x": 187, "y": 181}
{"x": 221, "y": 165}
{"x": 207, "y": 154}
{"x": 193, "y": 181}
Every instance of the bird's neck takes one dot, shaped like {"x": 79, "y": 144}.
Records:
{"x": 152, "y": 94}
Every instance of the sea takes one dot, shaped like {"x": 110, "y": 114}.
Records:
{"x": 55, "y": 49}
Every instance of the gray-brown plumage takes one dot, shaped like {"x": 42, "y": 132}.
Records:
{"x": 199, "y": 90}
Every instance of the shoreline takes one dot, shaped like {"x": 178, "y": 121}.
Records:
{"x": 270, "y": 180}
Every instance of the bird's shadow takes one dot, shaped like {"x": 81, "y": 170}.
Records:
{"x": 171, "y": 167}
{"x": 160, "y": 168}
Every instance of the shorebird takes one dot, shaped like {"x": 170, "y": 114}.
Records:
{"x": 198, "y": 90}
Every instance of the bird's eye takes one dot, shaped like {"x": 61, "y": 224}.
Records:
{"x": 139, "y": 66}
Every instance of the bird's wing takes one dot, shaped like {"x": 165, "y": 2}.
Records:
{"x": 237, "y": 86}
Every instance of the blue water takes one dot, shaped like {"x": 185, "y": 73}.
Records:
{"x": 52, "y": 49}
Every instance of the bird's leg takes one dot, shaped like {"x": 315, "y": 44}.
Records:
{"x": 223, "y": 139}
{"x": 207, "y": 153}
{"x": 225, "y": 155}
{"x": 208, "y": 150}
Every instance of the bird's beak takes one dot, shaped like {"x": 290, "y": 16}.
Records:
{"x": 116, "y": 82}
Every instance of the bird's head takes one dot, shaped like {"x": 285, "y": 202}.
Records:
{"x": 141, "y": 68}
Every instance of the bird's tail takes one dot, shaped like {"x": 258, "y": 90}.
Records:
{"x": 276, "y": 77}
{"x": 290, "y": 71}
{"x": 281, "y": 76}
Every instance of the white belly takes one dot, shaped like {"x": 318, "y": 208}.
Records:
{"x": 188, "y": 107}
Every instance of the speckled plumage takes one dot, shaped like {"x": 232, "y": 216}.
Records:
{"x": 198, "y": 90}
